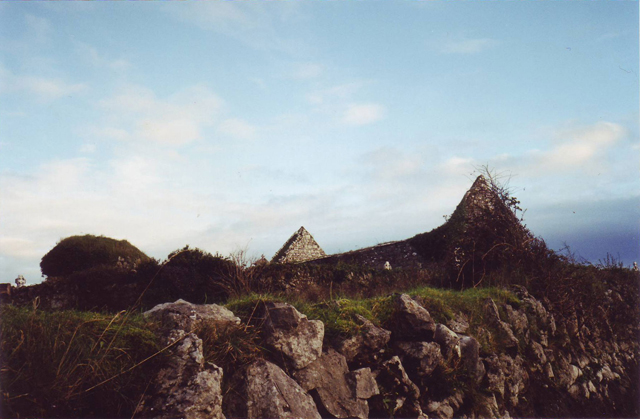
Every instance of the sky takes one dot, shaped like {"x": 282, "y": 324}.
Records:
{"x": 227, "y": 125}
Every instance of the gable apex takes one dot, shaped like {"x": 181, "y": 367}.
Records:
{"x": 301, "y": 247}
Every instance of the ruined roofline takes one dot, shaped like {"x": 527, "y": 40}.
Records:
{"x": 363, "y": 249}
{"x": 287, "y": 244}
{"x": 310, "y": 250}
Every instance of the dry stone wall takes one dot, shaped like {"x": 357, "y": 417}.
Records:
{"x": 418, "y": 369}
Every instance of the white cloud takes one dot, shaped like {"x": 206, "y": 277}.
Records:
{"x": 47, "y": 89}
{"x": 363, "y": 114}
{"x": 174, "y": 131}
{"x": 18, "y": 248}
{"x": 92, "y": 55}
{"x": 466, "y": 45}
{"x": 237, "y": 128}
{"x": 579, "y": 148}
{"x": 41, "y": 89}
{"x": 340, "y": 103}
{"x": 457, "y": 165}
{"x": 152, "y": 198}
{"x": 308, "y": 71}
{"x": 136, "y": 113}
{"x": 88, "y": 148}
{"x": 252, "y": 23}
{"x": 333, "y": 94}
{"x": 390, "y": 164}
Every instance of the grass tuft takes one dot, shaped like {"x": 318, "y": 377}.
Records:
{"x": 72, "y": 364}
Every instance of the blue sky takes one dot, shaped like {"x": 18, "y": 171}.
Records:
{"x": 228, "y": 125}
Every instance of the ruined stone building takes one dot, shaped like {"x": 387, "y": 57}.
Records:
{"x": 301, "y": 247}
{"x": 481, "y": 207}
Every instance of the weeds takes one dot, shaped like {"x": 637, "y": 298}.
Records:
{"x": 51, "y": 361}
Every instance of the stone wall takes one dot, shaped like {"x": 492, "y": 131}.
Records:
{"x": 300, "y": 247}
{"x": 399, "y": 254}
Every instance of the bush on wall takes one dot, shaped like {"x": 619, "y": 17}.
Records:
{"x": 78, "y": 253}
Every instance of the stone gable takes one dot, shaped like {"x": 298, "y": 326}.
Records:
{"x": 479, "y": 200}
{"x": 301, "y": 247}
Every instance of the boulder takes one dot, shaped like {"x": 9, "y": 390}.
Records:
{"x": 326, "y": 379}
{"x": 411, "y": 321}
{"x": 420, "y": 357}
{"x": 366, "y": 344}
{"x": 504, "y": 330}
{"x": 440, "y": 410}
{"x": 459, "y": 324}
{"x": 494, "y": 378}
{"x": 535, "y": 310}
{"x": 486, "y": 406}
{"x": 185, "y": 316}
{"x": 448, "y": 340}
{"x": 470, "y": 355}
{"x": 265, "y": 391}
{"x": 363, "y": 383}
{"x": 185, "y": 387}
{"x": 399, "y": 396}
{"x": 292, "y": 335}
{"x": 446, "y": 408}
{"x": 536, "y": 354}
{"x": 566, "y": 373}
{"x": 518, "y": 321}
{"x": 506, "y": 376}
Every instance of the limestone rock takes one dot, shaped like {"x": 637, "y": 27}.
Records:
{"x": 400, "y": 394}
{"x": 441, "y": 410}
{"x": 327, "y": 377}
{"x": 366, "y": 344}
{"x": 459, "y": 324}
{"x": 185, "y": 387}
{"x": 448, "y": 340}
{"x": 411, "y": 321}
{"x": 504, "y": 330}
{"x": 363, "y": 383}
{"x": 185, "y": 316}
{"x": 535, "y": 310}
{"x": 265, "y": 391}
{"x": 487, "y": 406}
{"x": 536, "y": 352}
{"x": 566, "y": 373}
{"x": 506, "y": 376}
{"x": 290, "y": 333}
{"x": 518, "y": 321}
{"x": 470, "y": 354}
{"x": 420, "y": 357}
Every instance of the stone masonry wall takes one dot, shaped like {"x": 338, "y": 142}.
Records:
{"x": 301, "y": 247}
{"x": 399, "y": 254}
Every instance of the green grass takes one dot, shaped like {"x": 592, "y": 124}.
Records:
{"x": 73, "y": 364}
{"x": 339, "y": 315}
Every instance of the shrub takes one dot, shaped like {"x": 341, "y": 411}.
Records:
{"x": 78, "y": 253}
{"x": 73, "y": 364}
{"x": 193, "y": 275}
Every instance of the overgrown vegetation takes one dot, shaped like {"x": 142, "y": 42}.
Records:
{"x": 73, "y": 364}
{"x": 78, "y": 253}
{"x": 484, "y": 234}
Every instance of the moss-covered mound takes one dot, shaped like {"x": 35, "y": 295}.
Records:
{"x": 79, "y": 253}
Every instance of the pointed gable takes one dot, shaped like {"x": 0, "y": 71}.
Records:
{"x": 480, "y": 200}
{"x": 300, "y": 247}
